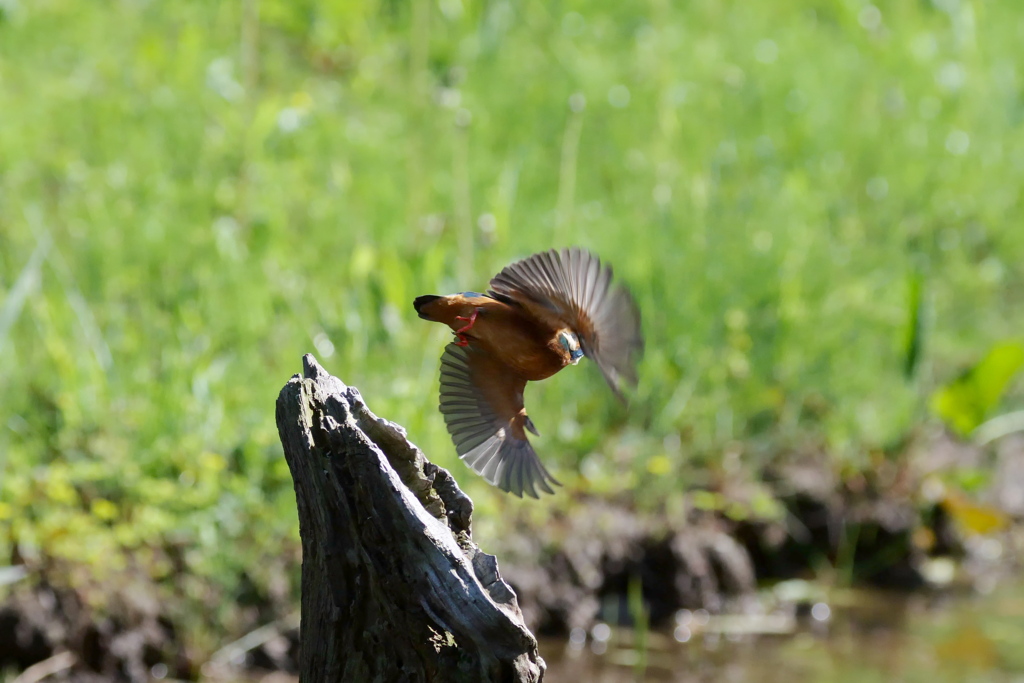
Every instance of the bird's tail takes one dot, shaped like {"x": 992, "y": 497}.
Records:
{"x": 421, "y": 301}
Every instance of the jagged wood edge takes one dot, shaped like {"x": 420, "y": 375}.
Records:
{"x": 409, "y": 523}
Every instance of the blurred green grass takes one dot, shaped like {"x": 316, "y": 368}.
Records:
{"x": 193, "y": 194}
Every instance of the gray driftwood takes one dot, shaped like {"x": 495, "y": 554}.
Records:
{"x": 393, "y": 586}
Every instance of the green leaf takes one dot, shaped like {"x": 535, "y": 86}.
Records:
{"x": 914, "y": 333}
{"x": 965, "y": 402}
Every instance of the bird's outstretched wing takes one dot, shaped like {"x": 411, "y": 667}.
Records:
{"x": 572, "y": 288}
{"x": 482, "y": 404}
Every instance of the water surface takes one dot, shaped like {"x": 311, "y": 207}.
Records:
{"x": 862, "y": 636}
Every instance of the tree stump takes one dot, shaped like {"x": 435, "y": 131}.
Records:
{"x": 393, "y": 586}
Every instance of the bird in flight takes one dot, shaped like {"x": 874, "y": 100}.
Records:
{"x": 540, "y": 314}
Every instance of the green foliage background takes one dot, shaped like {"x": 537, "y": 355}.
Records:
{"x": 816, "y": 203}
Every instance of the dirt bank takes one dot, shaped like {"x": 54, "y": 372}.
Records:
{"x": 882, "y": 526}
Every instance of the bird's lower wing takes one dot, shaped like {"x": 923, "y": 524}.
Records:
{"x": 482, "y": 404}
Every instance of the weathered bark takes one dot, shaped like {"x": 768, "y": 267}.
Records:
{"x": 393, "y": 586}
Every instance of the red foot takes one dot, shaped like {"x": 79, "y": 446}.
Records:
{"x": 458, "y": 333}
{"x": 471, "y": 319}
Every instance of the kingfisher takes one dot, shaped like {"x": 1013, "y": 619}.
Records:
{"x": 540, "y": 315}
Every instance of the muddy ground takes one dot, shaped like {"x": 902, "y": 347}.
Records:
{"x": 883, "y": 527}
